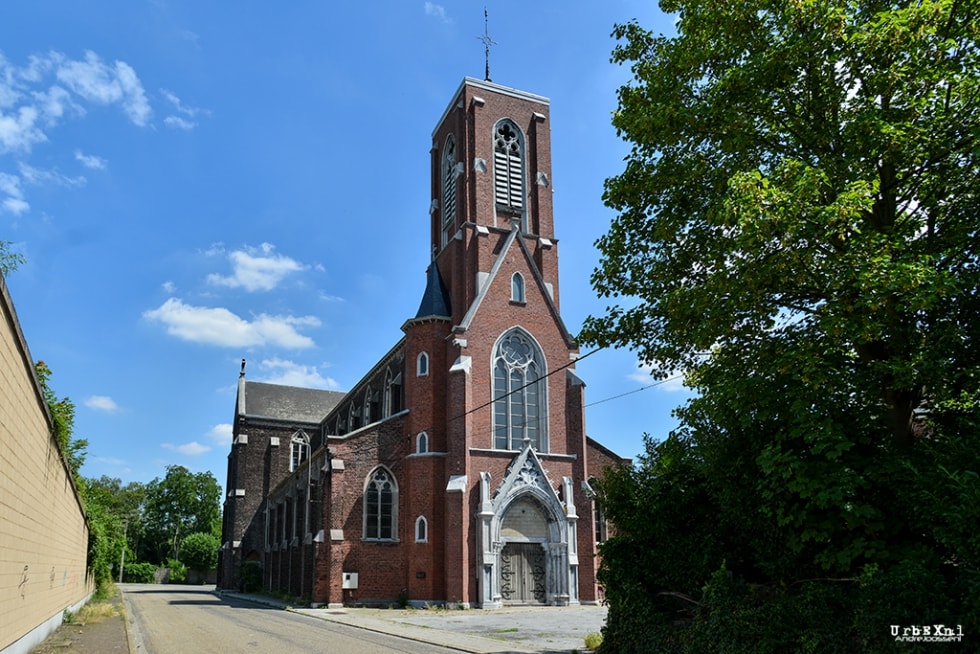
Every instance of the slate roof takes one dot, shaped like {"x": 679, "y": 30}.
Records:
{"x": 435, "y": 300}
{"x": 290, "y": 403}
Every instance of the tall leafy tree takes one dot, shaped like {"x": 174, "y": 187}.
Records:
{"x": 803, "y": 179}
{"x": 180, "y": 504}
{"x": 124, "y": 502}
{"x": 797, "y": 232}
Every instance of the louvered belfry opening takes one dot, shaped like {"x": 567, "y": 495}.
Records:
{"x": 448, "y": 190}
{"x": 508, "y": 167}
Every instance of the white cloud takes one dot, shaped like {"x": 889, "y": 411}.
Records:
{"x": 437, "y": 11}
{"x": 49, "y": 88}
{"x": 16, "y": 206}
{"x": 38, "y": 177}
{"x": 14, "y": 201}
{"x": 169, "y": 287}
{"x": 102, "y": 403}
{"x": 100, "y": 83}
{"x": 54, "y": 103}
{"x": 644, "y": 375}
{"x": 179, "y": 123}
{"x": 219, "y": 326}
{"x": 18, "y": 130}
{"x": 220, "y": 434}
{"x": 185, "y": 120}
{"x": 12, "y": 198}
{"x": 190, "y": 449}
{"x": 256, "y": 269}
{"x": 90, "y": 160}
{"x": 288, "y": 373}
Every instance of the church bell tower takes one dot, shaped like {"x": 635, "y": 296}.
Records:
{"x": 491, "y": 172}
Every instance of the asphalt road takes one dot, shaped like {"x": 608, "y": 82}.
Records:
{"x": 178, "y": 619}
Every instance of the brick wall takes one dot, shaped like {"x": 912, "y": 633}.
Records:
{"x": 43, "y": 532}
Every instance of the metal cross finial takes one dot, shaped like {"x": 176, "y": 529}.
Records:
{"x": 487, "y": 42}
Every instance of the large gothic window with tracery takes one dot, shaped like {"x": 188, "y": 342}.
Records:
{"x": 449, "y": 174}
{"x": 508, "y": 167}
{"x": 519, "y": 393}
{"x": 380, "y": 505}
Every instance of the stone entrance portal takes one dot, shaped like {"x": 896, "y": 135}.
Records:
{"x": 528, "y": 545}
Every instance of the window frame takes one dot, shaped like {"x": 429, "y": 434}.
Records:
{"x": 513, "y": 396}
{"x": 299, "y": 449}
{"x": 373, "y": 528}
{"x": 510, "y": 169}
{"x": 518, "y": 288}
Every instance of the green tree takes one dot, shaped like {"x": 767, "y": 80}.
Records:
{"x": 125, "y": 504}
{"x": 9, "y": 260}
{"x": 63, "y": 416}
{"x": 199, "y": 551}
{"x": 803, "y": 178}
{"x": 180, "y": 504}
{"x": 106, "y": 540}
{"x": 796, "y": 231}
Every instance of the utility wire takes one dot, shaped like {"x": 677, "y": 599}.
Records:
{"x": 636, "y": 390}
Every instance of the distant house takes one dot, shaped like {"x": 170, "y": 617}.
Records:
{"x": 456, "y": 470}
{"x": 43, "y": 530}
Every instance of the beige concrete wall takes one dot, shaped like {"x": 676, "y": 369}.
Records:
{"x": 43, "y": 533}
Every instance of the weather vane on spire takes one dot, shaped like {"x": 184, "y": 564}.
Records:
{"x": 487, "y": 42}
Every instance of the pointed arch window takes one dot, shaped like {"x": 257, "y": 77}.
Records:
{"x": 372, "y": 406}
{"x": 421, "y": 530}
{"x": 422, "y": 365}
{"x": 449, "y": 174}
{"x": 355, "y": 417}
{"x": 299, "y": 450}
{"x": 517, "y": 288}
{"x": 519, "y": 393}
{"x": 508, "y": 167}
{"x": 393, "y": 394}
{"x": 422, "y": 443}
{"x": 380, "y": 505}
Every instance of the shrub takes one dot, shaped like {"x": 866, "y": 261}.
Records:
{"x": 178, "y": 571}
{"x": 139, "y": 573}
{"x": 199, "y": 551}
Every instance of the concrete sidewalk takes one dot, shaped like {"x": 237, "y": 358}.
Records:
{"x": 537, "y": 630}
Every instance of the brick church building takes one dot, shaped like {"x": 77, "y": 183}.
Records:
{"x": 456, "y": 470}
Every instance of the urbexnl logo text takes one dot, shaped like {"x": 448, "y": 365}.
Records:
{"x": 935, "y": 633}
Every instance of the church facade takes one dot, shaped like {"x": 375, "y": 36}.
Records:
{"x": 457, "y": 470}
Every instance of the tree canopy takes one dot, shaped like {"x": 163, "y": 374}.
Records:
{"x": 797, "y": 233}
{"x": 9, "y": 260}
{"x": 803, "y": 179}
{"x": 180, "y": 504}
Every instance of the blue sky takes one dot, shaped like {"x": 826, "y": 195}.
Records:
{"x": 188, "y": 181}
